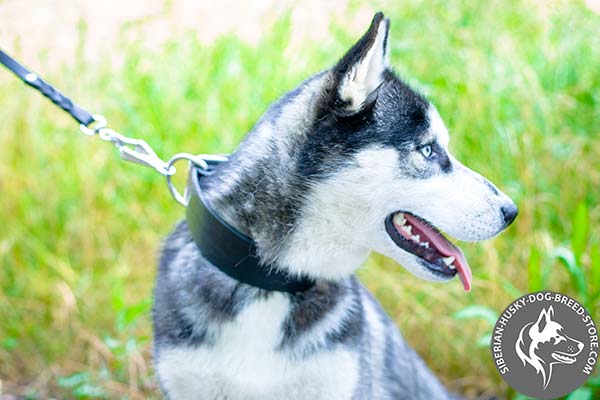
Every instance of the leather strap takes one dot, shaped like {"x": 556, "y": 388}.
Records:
{"x": 227, "y": 249}
{"x": 33, "y": 80}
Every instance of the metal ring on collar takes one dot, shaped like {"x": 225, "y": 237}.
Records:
{"x": 196, "y": 160}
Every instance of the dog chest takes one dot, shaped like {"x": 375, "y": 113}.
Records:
{"x": 245, "y": 362}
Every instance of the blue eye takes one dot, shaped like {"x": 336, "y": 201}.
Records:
{"x": 426, "y": 151}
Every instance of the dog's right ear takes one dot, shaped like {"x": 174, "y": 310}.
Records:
{"x": 360, "y": 72}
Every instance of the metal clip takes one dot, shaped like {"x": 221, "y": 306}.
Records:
{"x": 135, "y": 150}
{"x": 140, "y": 152}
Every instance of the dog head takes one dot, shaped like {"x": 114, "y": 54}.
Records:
{"x": 354, "y": 160}
{"x": 544, "y": 343}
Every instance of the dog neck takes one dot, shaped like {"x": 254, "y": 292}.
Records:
{"x": 228, "y": 249}
{"x": 261, "y": 193}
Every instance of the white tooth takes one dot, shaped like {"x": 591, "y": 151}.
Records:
{"x": 451, "y": 266}
{"x": 399, "y": 219}
{"x": 407, "y": 229}
{"x": 425, "y": 244}
{"x": 416, "y": 238}
{"x": 449, "y": 260}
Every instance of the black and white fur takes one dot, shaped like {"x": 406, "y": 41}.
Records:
{"x": 312, "y": 184}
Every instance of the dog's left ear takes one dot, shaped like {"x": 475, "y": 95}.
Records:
{"x": 360, "y": 72}
{"x": 545, "y": 317}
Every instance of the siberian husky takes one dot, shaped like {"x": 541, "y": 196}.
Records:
{"x": 351, "y": 161}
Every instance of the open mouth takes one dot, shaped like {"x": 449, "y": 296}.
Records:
{"x": 420, "y": 238}
{"x": 563, "y": 358}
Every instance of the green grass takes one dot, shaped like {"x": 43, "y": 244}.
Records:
{"x": 519, "y": 89}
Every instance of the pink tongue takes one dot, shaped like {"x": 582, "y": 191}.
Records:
{"x": 447, "y": 249}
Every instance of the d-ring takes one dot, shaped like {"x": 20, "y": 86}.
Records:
{"x": 97, "y": 124}
{"x": 197, "y": 161}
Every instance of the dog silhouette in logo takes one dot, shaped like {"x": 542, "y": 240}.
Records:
{"x": 544, "y": 343}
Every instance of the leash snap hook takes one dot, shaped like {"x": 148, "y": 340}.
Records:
{"x": 137, "y": 151}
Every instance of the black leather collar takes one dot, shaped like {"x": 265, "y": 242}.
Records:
{"x": 227, "y": 249}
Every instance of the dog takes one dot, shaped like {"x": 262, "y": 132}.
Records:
{"x": 351, "y": 161}
{"x": 543, "y": 344}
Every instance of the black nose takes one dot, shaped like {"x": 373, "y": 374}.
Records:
{"x": 509, "y": 213}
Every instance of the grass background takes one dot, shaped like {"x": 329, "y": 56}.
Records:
{"x": 517, "y": 83}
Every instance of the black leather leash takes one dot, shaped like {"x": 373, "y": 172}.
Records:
{"x": 33, "y": 80}
{"x": 227, "y": 249}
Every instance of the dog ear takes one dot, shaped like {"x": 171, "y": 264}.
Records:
{"x": 544, "y": 318}
{"x": 360, "y": 72}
